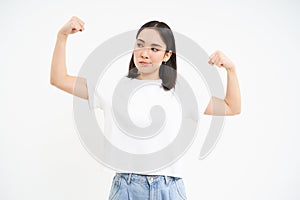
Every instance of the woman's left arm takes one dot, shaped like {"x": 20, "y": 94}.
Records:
{"x": 231, "y": 105}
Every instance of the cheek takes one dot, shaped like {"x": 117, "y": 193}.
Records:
{"x": 156, "y": 58}
{"x": 135, "y": 56}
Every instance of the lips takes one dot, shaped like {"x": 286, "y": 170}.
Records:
{"x": 144, "y": 63}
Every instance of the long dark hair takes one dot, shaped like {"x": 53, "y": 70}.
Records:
{"x": 168, "y": 70}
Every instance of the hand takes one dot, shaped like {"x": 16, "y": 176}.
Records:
{"x": 218, "y": 58}
{"x": 72, "y": 26}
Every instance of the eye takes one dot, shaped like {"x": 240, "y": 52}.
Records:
{"x": 139, "y": 45}
{"x": 154, "y": 49}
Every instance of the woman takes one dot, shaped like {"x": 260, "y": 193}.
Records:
{"x": 153, "y": 58}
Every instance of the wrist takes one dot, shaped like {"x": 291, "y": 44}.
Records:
{"x": 230, "y": 69}
{"x": 61, "y": 35}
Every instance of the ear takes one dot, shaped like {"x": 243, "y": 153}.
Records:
{"x": 167, "y": 55}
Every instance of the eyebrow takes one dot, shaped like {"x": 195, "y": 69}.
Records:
{"x": 151, "y": 44}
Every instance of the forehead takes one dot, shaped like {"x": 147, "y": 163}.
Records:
{"x": 151, "y": 36}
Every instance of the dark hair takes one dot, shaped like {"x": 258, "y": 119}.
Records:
{"x": 168, "y": 70}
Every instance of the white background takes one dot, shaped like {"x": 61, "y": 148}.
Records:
{"x": 257, "y": 157}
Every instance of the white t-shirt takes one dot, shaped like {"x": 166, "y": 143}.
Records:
{"x": 139, "y": 107}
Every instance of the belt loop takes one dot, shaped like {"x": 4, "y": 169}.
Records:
{"x": 129, "y": 178}
{"x": 166, "y": 179}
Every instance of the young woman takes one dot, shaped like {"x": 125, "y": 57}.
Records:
{"x": 153, "y": 58}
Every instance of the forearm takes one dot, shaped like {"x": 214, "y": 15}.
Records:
{"x": 58, "y": 65}
{"x": 233, "y": 96}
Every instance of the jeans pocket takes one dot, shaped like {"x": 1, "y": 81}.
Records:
{"x": 115, "y": 188}
{"x": 180, "y": 188}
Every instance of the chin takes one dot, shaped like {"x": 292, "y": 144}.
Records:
{"x": 145, "y": 71}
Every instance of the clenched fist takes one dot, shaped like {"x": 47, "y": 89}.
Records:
{"x": 72, "y": 26}
{"x": 219, "y": 59}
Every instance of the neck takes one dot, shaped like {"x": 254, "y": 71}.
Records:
{"x": 147, "y": 77}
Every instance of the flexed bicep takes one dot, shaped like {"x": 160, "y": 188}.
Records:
{"x": 73, "y": 85}
{"x": 218, "y": 107}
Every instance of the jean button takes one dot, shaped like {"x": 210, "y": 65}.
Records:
{"x": 151, "y": 178}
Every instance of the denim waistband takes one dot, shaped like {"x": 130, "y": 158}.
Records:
{"x": 142, "y": 178}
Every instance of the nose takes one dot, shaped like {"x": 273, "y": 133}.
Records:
{"x": 144, "y": 53}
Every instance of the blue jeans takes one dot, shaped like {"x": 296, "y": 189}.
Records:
{"x": 130, "y": 186}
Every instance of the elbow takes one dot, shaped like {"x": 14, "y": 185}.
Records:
{"x": 237, "y": 112}
{"x": 52, "y": 79}
{"x": 234, "y": 110}
{"x": 53, "y": 82}
{"x": 56, "y": 81}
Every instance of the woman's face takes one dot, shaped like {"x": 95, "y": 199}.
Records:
{"x": 149, "y": 53}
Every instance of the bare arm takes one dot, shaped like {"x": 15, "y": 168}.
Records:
{"x": 59, "y": 76}
{"x": 231, "y": 105}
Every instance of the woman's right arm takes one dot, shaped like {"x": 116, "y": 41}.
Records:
{"x": 59, "y": 76}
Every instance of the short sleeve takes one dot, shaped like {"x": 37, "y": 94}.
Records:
{"x": 94, "y": 98}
